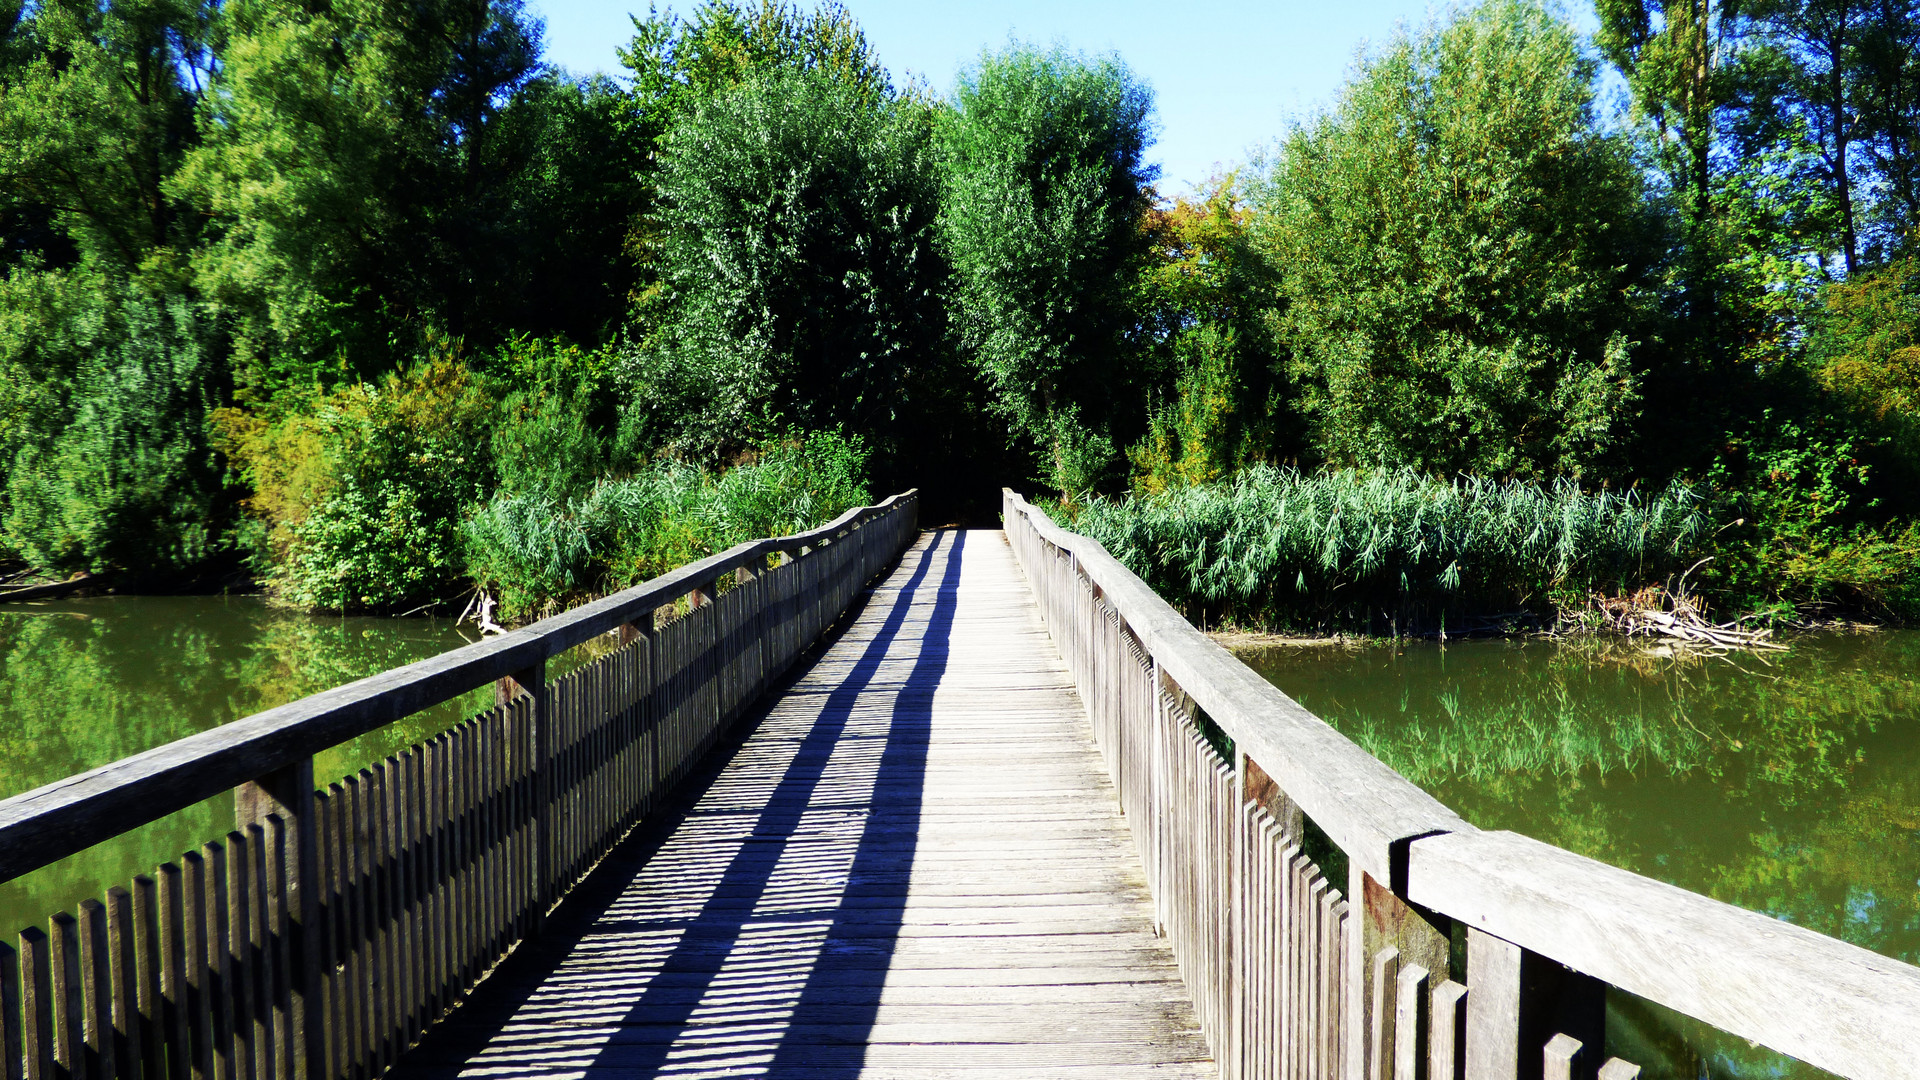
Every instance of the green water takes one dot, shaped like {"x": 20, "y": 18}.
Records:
{"x": 85, "y": 682}
{"x": 1788, "y": 784}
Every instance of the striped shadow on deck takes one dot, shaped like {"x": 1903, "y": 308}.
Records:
{"x": 912, "y": 865}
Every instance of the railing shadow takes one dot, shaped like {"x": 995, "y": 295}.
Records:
{"x": 750, "y": 930}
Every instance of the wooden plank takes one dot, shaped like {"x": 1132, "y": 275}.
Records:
{"x": 1411, "y": 1032}
{"x": 123, "y": 949}
{"x": 36, "y": 994}
{"x": 67, "y": 998}
{"x": 1828, "y": 1003}
{"x": 1446, "y": 1043}
{"x": 96, "y": 978}
{"x": 1493, "y": 1007}
{"x": 826, "y": 870}
{"x": 12, "y": 1046}
{"x": 1557, "y": 1057}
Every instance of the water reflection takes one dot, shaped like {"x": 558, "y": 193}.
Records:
{"x": 86, "y": 682}
{"x": 1788, "y": 785}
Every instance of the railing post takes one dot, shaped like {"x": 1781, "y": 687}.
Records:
{"x": 532, "y": 681}
{"x": 287, "y": 793}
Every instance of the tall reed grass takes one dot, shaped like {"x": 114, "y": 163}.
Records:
{"x": 1344, "y": 549}
{"x": 539, "y": 552}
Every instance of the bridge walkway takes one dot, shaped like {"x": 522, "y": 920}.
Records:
{"x": 912, "y": 865}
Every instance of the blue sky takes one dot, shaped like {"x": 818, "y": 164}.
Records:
{"x": 1227, "y": 77}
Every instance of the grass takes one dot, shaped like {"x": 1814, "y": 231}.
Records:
{"x": 1390, "y": 550}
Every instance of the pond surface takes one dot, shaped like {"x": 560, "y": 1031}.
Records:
{"x": 1788, "y": 784}
{"x": 86, "y": 682}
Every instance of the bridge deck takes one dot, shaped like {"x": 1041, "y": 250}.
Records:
{"x": 912, "y": 867}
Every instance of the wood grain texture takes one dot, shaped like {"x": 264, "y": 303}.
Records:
{"x": 912, "y": 865}
{"x": 1828, "y": 1003}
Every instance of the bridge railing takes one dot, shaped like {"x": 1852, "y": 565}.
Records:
{"x": 321, "y": 937}
{"x": 1245, "y": 806}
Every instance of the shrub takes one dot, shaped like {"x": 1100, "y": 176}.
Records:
{"x": 108, "y": 463}
{"x": 363, "y": 488}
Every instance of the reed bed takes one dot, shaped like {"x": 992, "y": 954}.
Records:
{"x": 540, "y": 551}
{"x": 1391, "y": 551}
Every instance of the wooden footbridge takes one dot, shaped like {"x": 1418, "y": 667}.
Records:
{"x": 867, "y": 801}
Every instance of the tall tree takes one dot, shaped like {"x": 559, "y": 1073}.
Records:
{"x": 1682, "y": 63}
{"x": 1465, "y": 256}
{"x": 798, "y": 256}
{"x": 96, "y": 109}
{"x": 1043, "y": 202}
{"x": 342, "y": 169}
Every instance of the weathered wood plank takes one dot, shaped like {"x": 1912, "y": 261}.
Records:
{"x": 1365, "y": 807}
{"x": 915, "y": 859}
{"x": 1826, "y": 1002}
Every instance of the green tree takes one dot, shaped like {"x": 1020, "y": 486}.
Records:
{"x": 1043, "y": 197}
{"x": 343, "y": 167}
{"x": 106, "y": 459}
{"x": 1464, "y": 255}
{"x": 797, "y": 253}
{"x": 1210, "y": 296}
{"x": 676, "y": 64}
{"x": 96, "y": 109}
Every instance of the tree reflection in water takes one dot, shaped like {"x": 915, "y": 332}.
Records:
{"x": 1788, "y": 784}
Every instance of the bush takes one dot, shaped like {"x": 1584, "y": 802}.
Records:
{"x": 540, "y": 551}
{"x": 363, "y": 488}
{"x": 1280, "y": 546}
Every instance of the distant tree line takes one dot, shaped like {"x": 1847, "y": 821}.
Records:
{"x": 366, "y": 300}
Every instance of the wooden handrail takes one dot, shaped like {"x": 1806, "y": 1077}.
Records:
{"x": 49, "y": 823}
{"x": 1363, "y": 805}
{"x": 1812, "y": 997}
{"x": 1419, "y": 871}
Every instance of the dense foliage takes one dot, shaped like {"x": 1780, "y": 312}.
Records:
{"x": 367, "y": 302}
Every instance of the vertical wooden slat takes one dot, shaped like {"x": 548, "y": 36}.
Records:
{"x": 240, "y": 956}
{"x": 218, "y": 985}
{"x": 125, "y": 942}
{"x": 1556, "y": 1058}
{"x": 1493, "y": 1007}
{"x": 324, "y": 1037}
{"x": 36, "y": 1006}
{"x": 1408, "y": 1016}
{"x": 12, "y": 1046}
{"x": 69, "y": 1005}
{"x": 356, "y": 996}
{"x": 1386, "y": 972}
{"x": 176, "y": 994}
{"x": 271, "y": 1024}
{"x": 1446, "y": 1042}
{"x": 380, "y": 916}
{"x": 96, "y": 979}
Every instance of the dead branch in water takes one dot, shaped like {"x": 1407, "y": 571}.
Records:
{"x": 1676, "y": 615}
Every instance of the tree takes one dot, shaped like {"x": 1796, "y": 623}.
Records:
{"x": 1464, "y": 255}
{"x": 96, "y": 108}
{"x": 801, "y": 279}
{"x": 1043, "y": 197}
{"x": 343, "y": 168}
{"x": 675, "y": 65}
{"x": 1210, "y": 296}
